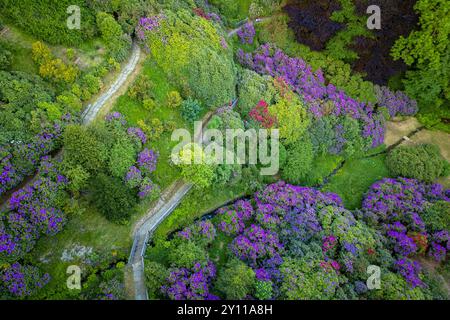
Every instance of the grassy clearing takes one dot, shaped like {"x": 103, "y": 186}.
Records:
{"x": 88, "y": 228}
{"x": 322, "y": 167}
{"x": 20, "y": 46}
{"x": 89, "y": 54}
{"x": 355, "y": 178}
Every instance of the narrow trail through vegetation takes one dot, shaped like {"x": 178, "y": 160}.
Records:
{"x": 90, "y": 113}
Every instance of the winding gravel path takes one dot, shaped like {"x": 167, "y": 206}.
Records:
{"x": 89, "y": 113}
{"x": 145, "y": 227}
{"x": 92, "y": 110}
{"x": 143, "y": 230}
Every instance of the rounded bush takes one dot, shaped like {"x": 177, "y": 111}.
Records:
{"x": 422, "y": 162}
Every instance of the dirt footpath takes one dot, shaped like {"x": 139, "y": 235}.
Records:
{"x": 397, "y": 129}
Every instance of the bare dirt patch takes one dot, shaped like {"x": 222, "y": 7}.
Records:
{"x": 397, "y": 129}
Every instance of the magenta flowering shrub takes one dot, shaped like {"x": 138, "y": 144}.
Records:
{"x": 21, "y": 281}
{"x": 185, "y": 284}
{"x": 396, "y": 102}
{"x": 147, "y": 160}
{"x": 247, "y": 33}
{"x": 138, "y": 134}
{"x": 257, "y": 246}
{"x": 203, "y": 232}
{"x": 22, "y": 160}
{"x": 329, "y": 243}
{"x": 318, "y": 95}
{"x": 396, "y": 206}
{"x": 233, "y": 218}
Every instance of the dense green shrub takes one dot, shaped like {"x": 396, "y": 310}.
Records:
{"x": 253, "y": 88}
{"x": 81, "y": 148}
{"x": 191, "y": 109}
{"x": 236, "y": 280}
{"x": 5, "y": 57}
{"x": 141, "y": 88}
{"x": 186, "y": 254}
{"x": 112, "y": 198}
{"x": 263, "y": 290}
{"x": 174, "y": 99}
{"x": 122, "y": 156}
{"x": 20, "y": 94}
{"x": 292, "y": 118}
{"x": 338, "y": 45}
{"x": 437, "y": 216}
{"x": 427, "y": 52}
{"x": 155, "y": 275}
{"x": 190, "y": 50}
{"x": 423, "y": 162}
{"x": 46, "y": 19}
{"x": 299, "y": 161}
{"x": 115, "y": 40}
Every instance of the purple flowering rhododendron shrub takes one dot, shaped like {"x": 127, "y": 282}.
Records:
{"x": 247, "y": 33}
{"x": 303, "y": 244}
{"x": 22, "y": 160}
{"x": 395, "y": 207}
{"x": 21, "y": 281}
{"x": 190, "y": 284}
{"x": 319, "y": 95}
{"x": 32, "y": 212}
{"x": 138, "y": 175}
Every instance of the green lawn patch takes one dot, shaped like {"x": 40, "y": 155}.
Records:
{"x": 355, "y": 178}
{"x": 322, "y": 167}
